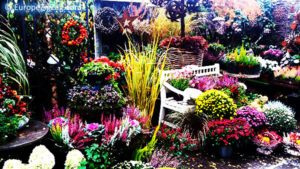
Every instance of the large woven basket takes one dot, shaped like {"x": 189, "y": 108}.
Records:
{"x": 178, "y": 58}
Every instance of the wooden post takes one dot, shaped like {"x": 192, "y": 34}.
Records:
{"x": 182, "y": 24}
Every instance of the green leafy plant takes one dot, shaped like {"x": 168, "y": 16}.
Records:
{"x": 98, "y": 157}
{"x": 216, "y": 104}
{"x": 97, "y": 69}
{"x": 8, "y": 127}
{"x": 144, "y": 153}
{"x": 114, "y": 56}
{"x": 240, "y": 62}
{"x": 11, "y": 60}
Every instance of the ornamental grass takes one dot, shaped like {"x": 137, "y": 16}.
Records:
{"x": 143, "y": 69}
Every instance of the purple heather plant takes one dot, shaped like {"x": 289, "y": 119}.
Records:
{"x": 226, "y": 81}
{"x": 161, "y": 159}
{"x": 254, "y": 117}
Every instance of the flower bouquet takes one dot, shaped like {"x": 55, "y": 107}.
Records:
{"x": 291, "y": 143}
{"x": 288, "y": 73}
{"x": 267, "y": 141}
{"x": 239, "y": 62}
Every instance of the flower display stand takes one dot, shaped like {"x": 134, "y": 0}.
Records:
{"x": 181, "y": 106}
{"x": 242, "y": 76}
{"x": 33, "y": 132}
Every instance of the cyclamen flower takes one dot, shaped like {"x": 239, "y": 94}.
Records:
{"x": 92, "y": 126}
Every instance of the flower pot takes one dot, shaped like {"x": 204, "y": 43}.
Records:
{"x": 225, "y": 151}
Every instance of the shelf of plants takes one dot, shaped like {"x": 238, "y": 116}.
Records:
{"x": 82, "y": 84}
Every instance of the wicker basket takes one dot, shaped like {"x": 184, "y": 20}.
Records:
{"x": 178, "y": 58}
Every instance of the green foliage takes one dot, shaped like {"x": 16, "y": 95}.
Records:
{"x": 238, "y": 93}
{"x": 216, "y": 47}
{"x": 114, "y": 57}
{"x": 180, "y": 83}
{"x": 8, "y": 127}
{"x": 11, "y": 58}
{"x": 93, "y": 68}
{"x": 240, "y": 57}
{"x": 98, "y": 157}
{"x": 144, "y": 153}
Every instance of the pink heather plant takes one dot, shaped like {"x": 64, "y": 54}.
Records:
{"x": 56, "y": 112}
{"x": 161, "y": 159}
{"x": 111, "y": 124}
{"x": 134, "y": 114}
{"x": 202, "y": 83}
{"x": 77, "y": 133}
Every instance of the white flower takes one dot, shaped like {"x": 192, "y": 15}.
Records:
{"x": 13, "y": 164}
{"x": 74, "y": 158}
{"x": 41, "y": 158}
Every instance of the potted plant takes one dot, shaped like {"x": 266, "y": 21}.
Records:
{"x": 273, "y": 54}
{"x": 13, "y": 111}
{"x": 226, "y": 134}
{"x": 188, "y": 50}
{"x": 239, "y": 62}
{"x": 266, "y": 141}
{"x": 291, "y": 143}
{"x": 180, "y": 80}
{"x": 214, "y": 53}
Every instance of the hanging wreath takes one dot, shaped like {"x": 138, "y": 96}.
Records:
{"x": 160, "y": 3}
{"x": 78, "y": 28}
{"x": 192, "y": 6}
{"x": 175, "y": 10}
{"x": 105, "y": 20}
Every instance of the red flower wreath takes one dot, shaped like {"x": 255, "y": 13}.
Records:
{"x": 66, "y": 36}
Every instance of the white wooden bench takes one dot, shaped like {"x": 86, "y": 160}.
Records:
{"x": 182, "y": 106}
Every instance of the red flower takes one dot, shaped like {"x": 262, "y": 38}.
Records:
{"x": 108, "y": 77}
{"x": 116, "y": 75}
{"x": 163, "y": 135}
{"x": 181, "y": 146}
{"x": 172, "y": 148}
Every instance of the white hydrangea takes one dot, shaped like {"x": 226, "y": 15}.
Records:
{"x": 74, "y": 158}
{"x": 13, "y": 164}
{"x": 268, "y": 64}
{"x": 41, "y": 158}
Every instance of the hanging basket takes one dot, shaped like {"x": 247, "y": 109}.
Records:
{"x": 178, "y": 58}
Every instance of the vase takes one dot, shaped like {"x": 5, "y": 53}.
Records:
{"x": 225, "y": 151}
